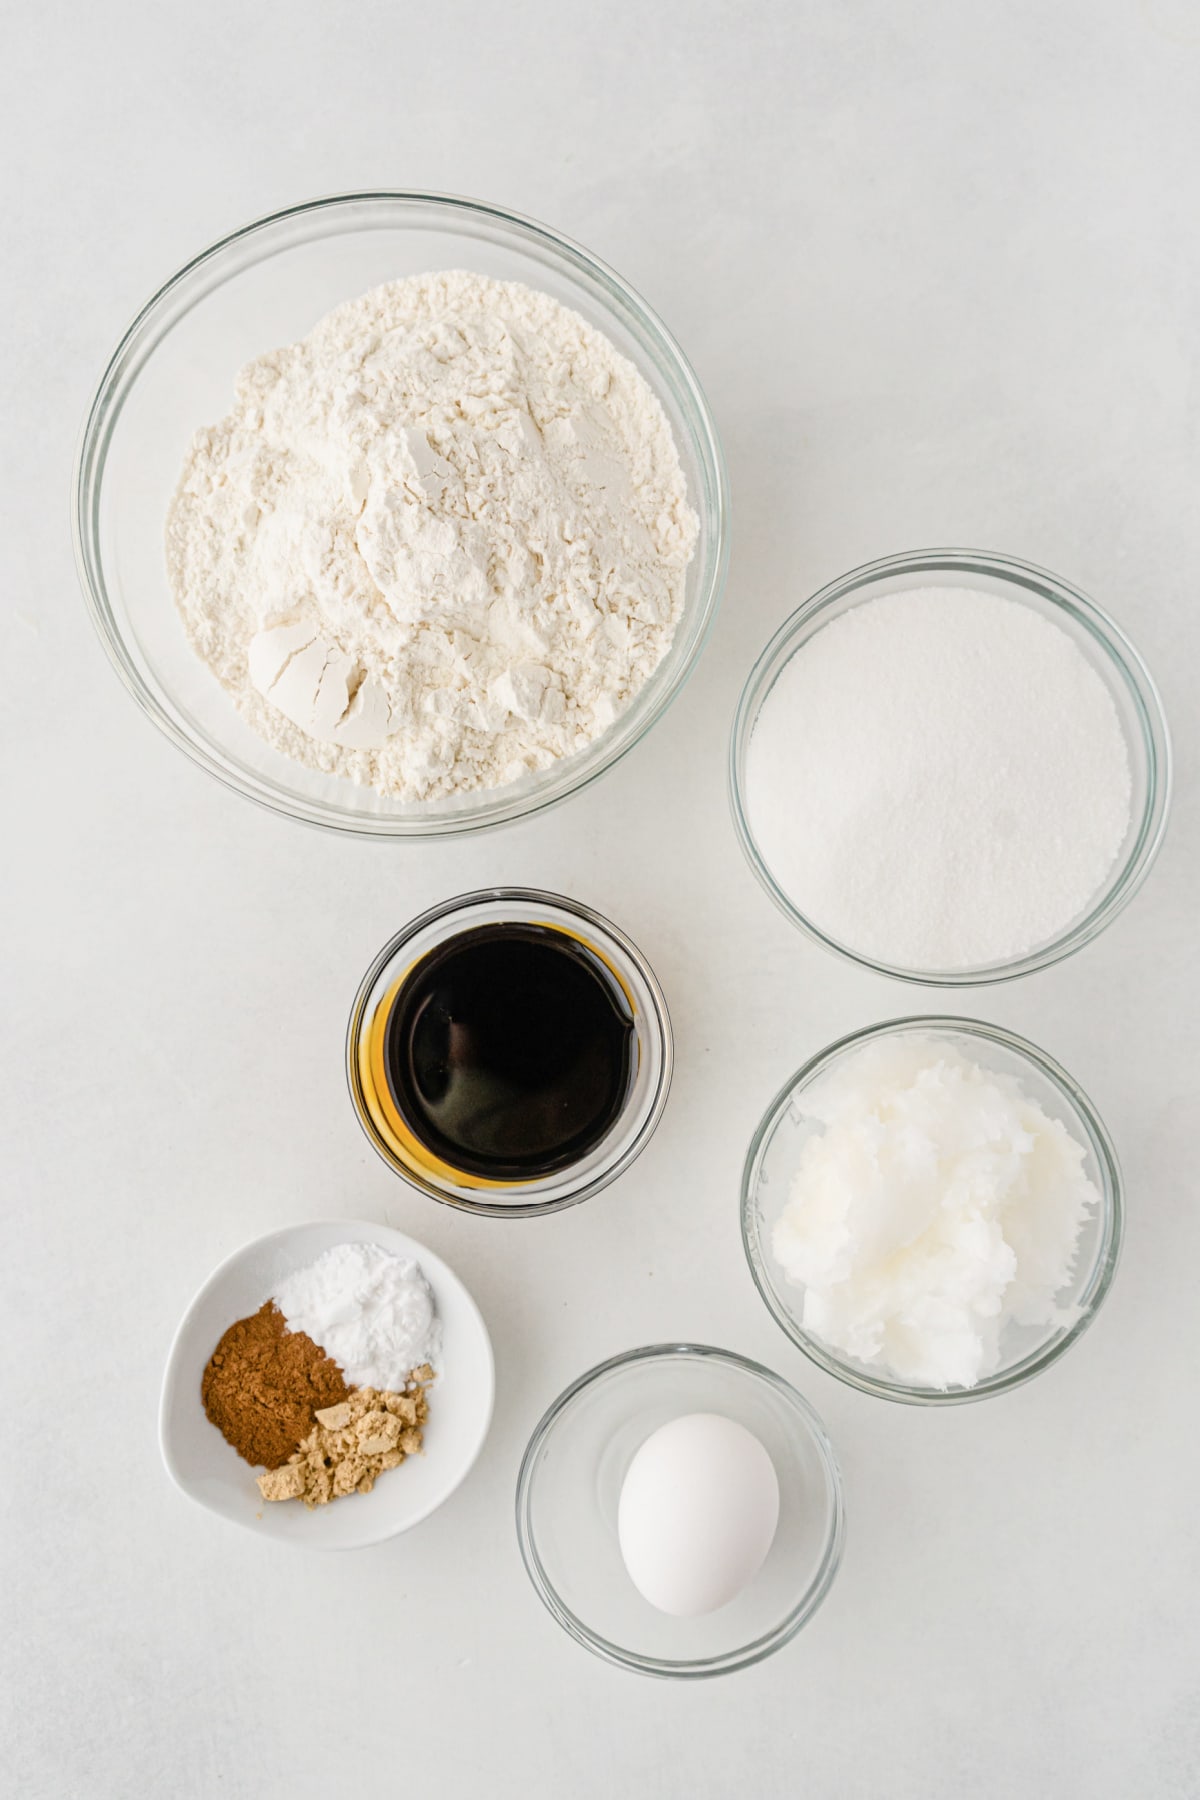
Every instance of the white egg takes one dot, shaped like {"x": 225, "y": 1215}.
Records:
{"x": 697, "y": 1515}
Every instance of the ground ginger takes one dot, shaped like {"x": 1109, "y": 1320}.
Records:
{"x": 352, "y": 1443}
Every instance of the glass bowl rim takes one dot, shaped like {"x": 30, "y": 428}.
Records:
{"x": 746, "y": 1655}
{"x": 1120, "y": 652}
{"x": 116, "y": 382}
{"x": 1112, "y": 1217}
{"x": 600, "y": 1178}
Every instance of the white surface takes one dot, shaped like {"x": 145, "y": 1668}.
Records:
{"x": 937, "y": 265}
{"x": 209, "y": 1471}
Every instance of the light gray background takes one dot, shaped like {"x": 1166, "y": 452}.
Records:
{"x": 938, "y": 266}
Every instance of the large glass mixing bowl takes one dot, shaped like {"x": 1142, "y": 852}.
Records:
{"x": 174, "y": 370}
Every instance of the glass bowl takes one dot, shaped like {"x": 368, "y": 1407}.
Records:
{"x": 633, "y": 1127}
{"x": 570, "y": 1483}
{"x": 1107, "y": 649}
{"x": 174, "y": 370}
{"x": 1026, "y": 1351}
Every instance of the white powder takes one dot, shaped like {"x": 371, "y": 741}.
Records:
{"x": 939, "y": 1204}
{"x": 438, "y": 543}
{"x": 939, "y": 779}
{"x": 371, "y": 1311}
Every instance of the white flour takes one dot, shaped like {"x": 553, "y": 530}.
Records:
{"x": 439, "y": 542}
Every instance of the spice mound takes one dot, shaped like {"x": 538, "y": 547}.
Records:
{"x": 263, "y": 1385}
{"x": 938, "y": 1207}
{"x": 371, "y": 1311}
{"x": 324, "y": 1386}
{"x": 351, "y": 1444}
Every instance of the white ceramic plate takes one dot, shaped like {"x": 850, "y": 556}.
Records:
{"x": 211, "y": 1472}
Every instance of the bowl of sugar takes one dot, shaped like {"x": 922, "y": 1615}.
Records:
{"x": 951, "y": 767}
{"x": 932, "y": 1210}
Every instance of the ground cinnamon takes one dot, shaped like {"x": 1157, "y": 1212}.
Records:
{"x": 263, "y": 1385}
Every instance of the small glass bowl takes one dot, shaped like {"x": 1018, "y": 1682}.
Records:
{"x": 1107, "y": 649}
{"x": 636, "y": 1122}
{"x": 772, "y": 1157}
{"x": 570, "y": 1483}
{"x": 173, "y": 371}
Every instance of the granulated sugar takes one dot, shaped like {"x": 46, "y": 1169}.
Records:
{"x": 939, "y": 779}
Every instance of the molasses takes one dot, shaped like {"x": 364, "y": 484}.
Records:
{"x": 510, "y": 1051}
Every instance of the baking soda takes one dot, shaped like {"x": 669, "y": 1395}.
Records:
{"x": 371, "y": 1311}
{"x": 939, "y": 780}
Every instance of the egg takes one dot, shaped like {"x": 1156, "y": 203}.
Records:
{"x": 697, "y": 1514}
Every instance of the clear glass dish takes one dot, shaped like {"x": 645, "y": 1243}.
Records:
{"x": 643, "y": 1107}
{"x": 570, "y": 1483}
{"x": 776, "y": 1145}
{"x": 174, "y": 370}
{"x": 1106, "y": 648}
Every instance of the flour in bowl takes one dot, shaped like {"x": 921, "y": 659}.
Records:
{"x": 439, "y": 543}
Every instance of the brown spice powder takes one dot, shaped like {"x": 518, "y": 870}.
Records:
{"x": 264, "y": 1385}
